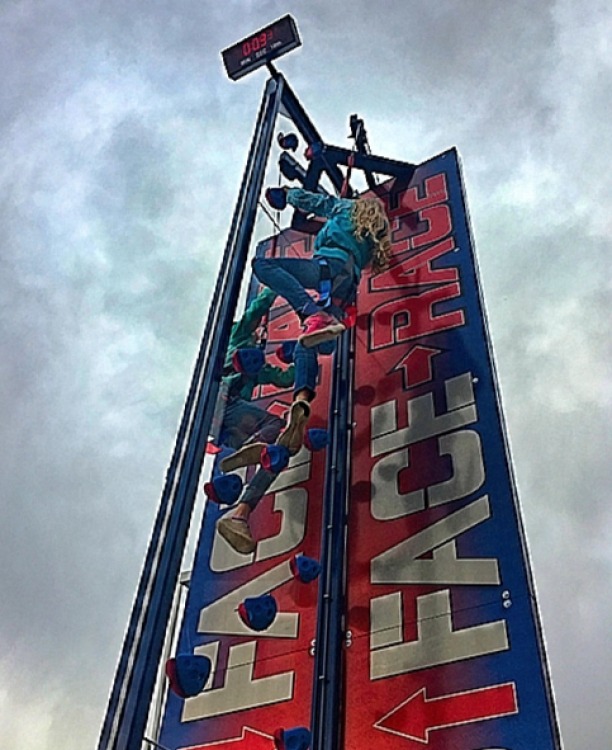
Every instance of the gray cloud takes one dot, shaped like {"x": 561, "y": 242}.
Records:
{"x": 122, "y": 150}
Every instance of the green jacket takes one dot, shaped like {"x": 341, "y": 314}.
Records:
{"x": 243, "y": 336}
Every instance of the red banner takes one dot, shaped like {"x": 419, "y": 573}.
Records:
{"x": 445, "y": 648}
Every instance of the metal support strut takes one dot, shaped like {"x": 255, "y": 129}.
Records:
{"x": 132, "y": 690}
{"x": 328, "y": 674}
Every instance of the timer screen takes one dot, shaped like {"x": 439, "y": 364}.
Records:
{"x": 261, "y": 47}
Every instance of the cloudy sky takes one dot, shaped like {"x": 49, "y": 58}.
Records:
{"x": 122, "y": 147}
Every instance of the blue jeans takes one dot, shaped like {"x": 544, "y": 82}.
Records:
{"x": 291, "y": 277}
{"x": 257, "y": 487}
{"x": 243, "y": 420}
{"x": 306, "y": 372}
{"x": 307, "y": 365}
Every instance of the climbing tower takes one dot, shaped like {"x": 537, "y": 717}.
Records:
{"x": 388, "y": 601}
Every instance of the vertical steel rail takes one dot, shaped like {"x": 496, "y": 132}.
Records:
{"x": 132, "y": 691}
{"x": 178, "y": 603}
{"x": 328, "y": 673}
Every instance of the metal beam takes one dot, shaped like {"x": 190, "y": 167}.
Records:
{"x": 130, "y": 699}
{"x": 328, "y": 673}
{"x": 294, "y": 110}
{"x": 365, "y": 162}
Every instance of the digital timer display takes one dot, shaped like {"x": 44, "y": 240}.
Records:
{"x": 261, "y": 47}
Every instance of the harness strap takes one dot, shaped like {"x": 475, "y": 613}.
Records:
{"x": 346, "y": 185}
{"x": 325, "y": 284}
{"x": 327, "y": 287}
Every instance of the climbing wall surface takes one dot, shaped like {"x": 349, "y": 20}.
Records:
{"x": 260, "y": 681}
{"x": 445, "y": 648}
{"x": 443, "y": 645}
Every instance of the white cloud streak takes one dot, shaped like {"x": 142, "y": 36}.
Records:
{"x": 122, "y": 148}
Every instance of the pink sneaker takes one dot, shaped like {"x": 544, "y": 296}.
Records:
{"x": 320, "y": 327}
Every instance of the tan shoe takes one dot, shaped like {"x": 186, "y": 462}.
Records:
{"x": 292, "y": 437}
{"x": 237, "y": 534}
{"x": 248, "y": 455}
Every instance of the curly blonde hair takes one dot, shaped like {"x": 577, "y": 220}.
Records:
{"x": 370, "y": 218}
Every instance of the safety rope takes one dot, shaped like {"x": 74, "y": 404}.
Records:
{"x": 346, "y": 185}
{"x": 359, "y": 637}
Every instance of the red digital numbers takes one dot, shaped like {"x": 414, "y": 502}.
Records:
{"x": 257, "y": 42}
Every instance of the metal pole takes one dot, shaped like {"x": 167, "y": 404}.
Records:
{"x": 328, "y": 675}
{"x": 294, "y": 110}
{"x": 169, "y": 646}
{"x": 131, "y": 695}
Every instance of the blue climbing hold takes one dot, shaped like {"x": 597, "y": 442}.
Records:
{"x": 277, "y": 198}
{"x": 314, "y": 150}
{"x": 258, "y": 612}
{"x": 290, "y": 168}
{"x": 224, "y": 489}
{"x": 316, "y": 439}
{"x": 274, "y": 458}
{"x": 248, "y": 361}
{"x": 305, "y": 569}
{"x": 297, "y": 738}
{"x": 286, "y": 351}
{"x": 187, "y": 674}
{"x": 288, "y": 141}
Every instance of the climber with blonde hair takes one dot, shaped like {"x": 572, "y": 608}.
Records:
{"x": 355, "y": 236}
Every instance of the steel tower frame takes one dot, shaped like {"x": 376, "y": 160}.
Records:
{"x": 134, "y": 683}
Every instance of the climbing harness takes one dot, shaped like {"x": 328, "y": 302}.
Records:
{"x": 328, "y": 286}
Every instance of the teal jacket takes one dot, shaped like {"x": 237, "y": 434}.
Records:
{"x": 242, "y": 336}
{"x": 337, "y": 238}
